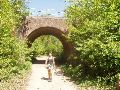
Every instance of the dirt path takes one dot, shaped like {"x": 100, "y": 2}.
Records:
{"x": 38, "y": 80}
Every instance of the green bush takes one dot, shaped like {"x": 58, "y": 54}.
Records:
{"x": 95, "y": 31}
{"x": 14, "y": 54}
{"x": 46, "y": 44}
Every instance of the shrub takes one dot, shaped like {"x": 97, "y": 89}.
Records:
{"x": 95, "y": 31}
{"x": 14, "y": 53}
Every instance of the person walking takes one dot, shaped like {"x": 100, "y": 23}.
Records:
{"x": 50, "y": 65}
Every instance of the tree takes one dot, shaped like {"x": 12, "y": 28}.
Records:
{"x": 46, "y": 44}
{"x": 95, "y": 30}
{"x": 13, "y": 52}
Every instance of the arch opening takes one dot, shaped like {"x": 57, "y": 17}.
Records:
{"x": 46, "y": 44}
{"x": 53, "y": 32}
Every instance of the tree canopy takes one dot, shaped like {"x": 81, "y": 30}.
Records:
{"x": 13, "y": 52}
{"x": 95, "y": 31}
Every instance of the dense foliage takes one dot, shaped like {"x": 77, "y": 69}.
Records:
{"x": 46, "y": 44}
{"x": 14, "y": 58}
{"x": 95, "y": 31}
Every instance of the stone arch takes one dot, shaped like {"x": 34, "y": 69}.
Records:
{"x": 50, "y": 31}
{"x": 35, "y": 26}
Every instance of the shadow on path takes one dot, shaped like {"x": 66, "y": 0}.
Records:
{"x": 39, "y": 60}
{"x": 44, "y": 78}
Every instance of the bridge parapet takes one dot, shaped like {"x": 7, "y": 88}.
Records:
{"x": 33, "y": 23}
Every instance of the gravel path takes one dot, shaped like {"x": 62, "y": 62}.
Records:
{"x": 38, "y": 80}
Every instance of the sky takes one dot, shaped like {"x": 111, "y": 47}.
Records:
{"x": 53, "y": 7}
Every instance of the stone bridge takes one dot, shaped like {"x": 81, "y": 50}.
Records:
{"x": 34, "y": 27}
